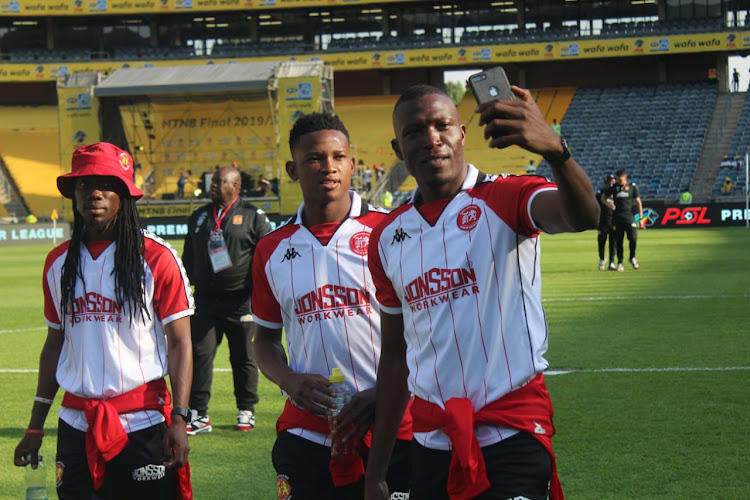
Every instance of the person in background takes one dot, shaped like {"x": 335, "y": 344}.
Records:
{"x": 387, "y": 200}
{"x": 531, "y": 168}
{"x": 728, "y": 186}
{"x": 117, "y": 305}
{"x": 626, "y": 197}
{"x": 556, "y": 126}
{"x": 605, "y": 230}
{"x": 310, "y": 277}
{"x": 457, "y": 277}
{"x": 686, "y": 197}
{"x": 218, "y": 256}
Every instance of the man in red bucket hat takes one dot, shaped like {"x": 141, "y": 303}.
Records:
{"x": 117, "y": 305}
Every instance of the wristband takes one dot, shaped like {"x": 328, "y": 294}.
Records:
{"x": 40, "y": 399}
{"x": 35, "y": 432}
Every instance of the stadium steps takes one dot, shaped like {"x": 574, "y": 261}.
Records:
{"x": 724, "y": 120}
{"x": 10, "y": 197}
{"x": 30, "y": 148}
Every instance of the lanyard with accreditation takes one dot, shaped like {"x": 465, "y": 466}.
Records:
{"x": 217, "y": 247}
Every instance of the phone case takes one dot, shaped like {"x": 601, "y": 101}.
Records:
{"x": 490, "y": 85}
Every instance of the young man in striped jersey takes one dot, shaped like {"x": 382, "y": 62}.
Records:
{"x": 117, "y": 303}
{"x": 458, "y": 281}
{"x": 310, "y": 276}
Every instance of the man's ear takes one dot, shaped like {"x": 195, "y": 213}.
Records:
{"x": 396, "y": 149}
{"x": 291, "y": 170}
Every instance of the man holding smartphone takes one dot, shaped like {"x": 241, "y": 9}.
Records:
{"x": 457, "y": 277}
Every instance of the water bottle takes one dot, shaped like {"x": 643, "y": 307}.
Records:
{"x": 341, "y": 394}
{"x": 36, "y": 484}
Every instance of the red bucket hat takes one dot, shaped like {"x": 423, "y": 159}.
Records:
{"x": 101, "y": 158}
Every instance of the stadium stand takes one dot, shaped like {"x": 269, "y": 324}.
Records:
{"x": 738, "y": 148}
{"x": 656, "y": 132}
{"x": 30, "y": 147}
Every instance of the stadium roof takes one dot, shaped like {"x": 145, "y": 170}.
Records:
{"x": 187, "y": 79}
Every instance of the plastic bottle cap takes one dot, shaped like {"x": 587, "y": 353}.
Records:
{"x": 336, "y": 376}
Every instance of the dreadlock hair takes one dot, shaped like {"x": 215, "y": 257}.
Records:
{"x": 314, "y": 122}
{"x": 417, "y": 91}
{"x": 128, "y": 270}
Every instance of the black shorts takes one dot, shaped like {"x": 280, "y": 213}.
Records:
{"x": 302, "y": 471}
{"x": 518, "y": 467}
{"x": 137, "y": 472}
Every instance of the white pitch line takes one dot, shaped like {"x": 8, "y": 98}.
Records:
{"x": 647, "y": 297}
{"x": 648, "y": 370}
{"x": 18, "y": 330}
{"x": 548, "y": 372}
{"x": 552, "y": 299}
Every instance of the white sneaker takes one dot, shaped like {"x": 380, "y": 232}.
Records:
{"x": 620, "y": 267}
{"x": 198, "y": 424}
{"x": 612, "y": 266}
{"x": 245, "y": 420}
{"x": 602, "y": 264}
{"x": 635, "y": 263}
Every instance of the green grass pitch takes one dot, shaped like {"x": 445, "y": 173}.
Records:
{"x": 650, "y": 383}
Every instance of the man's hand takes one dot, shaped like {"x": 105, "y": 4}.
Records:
{"x": 376, "y": 490}
{"x": 518, "y": 122}
{"x": 310, "y": 392}
{"x": 356, "y": 418}
{"x": 27, "y": 451}
{"x": 175, "y": 443}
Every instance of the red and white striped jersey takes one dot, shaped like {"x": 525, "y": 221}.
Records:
{"x": 465, "y": 274}
{"x": 103, "y": 354}
{"x": 315, "y": 283}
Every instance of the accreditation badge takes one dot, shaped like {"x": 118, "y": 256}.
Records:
{"x": 217, "y": 252}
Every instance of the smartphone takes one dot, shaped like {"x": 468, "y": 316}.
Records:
{"x": 490, "y": 85}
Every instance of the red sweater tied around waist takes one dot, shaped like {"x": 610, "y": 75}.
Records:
{"x": 527, "y": 409}
{"x": 105, "y": 437}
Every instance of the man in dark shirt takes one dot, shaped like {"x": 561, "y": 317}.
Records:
{"x": 605, "y": 230}
{"x": 625, "y": 195}
{"x": 218, "y": 255}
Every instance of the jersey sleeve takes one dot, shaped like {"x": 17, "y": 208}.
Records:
{"x": 385, "y": 294}
{"x": 266, "y": 308}
{"x": 173, "y": 298}
{"x": 511, "y": 197}
{"x": 51, "y": 288}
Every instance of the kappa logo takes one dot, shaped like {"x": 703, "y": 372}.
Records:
{"x": 290, "y": 254}
{"x": 399, "y": 236}
{"x": 538, "y": 429}
{"x": 150, "y": 472}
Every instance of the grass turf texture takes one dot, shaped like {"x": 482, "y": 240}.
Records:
{"x": 621, "y": 434}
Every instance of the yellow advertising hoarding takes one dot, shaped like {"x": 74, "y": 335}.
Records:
{"x": 296, "y": 97}
{"x": 443, "y": 56}
{"x": 171, "y": 136}
{"x": 78, "y": 117}
{"x": 109, "y": 7}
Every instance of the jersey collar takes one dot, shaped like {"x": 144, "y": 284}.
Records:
{"x": 471, "y": 179}
{"x": 357, "y": 209}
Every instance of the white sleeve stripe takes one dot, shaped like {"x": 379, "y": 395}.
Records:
{"x": 267, "y": 324}
{"x": 176, "y": 316}
{"x": 531, "y": 199}
{"x": 50, "y": 324}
